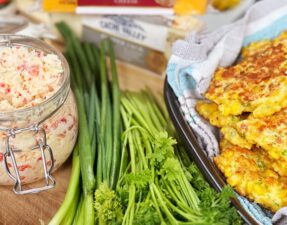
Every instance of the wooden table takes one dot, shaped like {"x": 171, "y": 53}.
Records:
{"x": 30, "y": 209}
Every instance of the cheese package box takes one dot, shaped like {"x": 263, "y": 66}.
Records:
{"x": 143, "y": 41}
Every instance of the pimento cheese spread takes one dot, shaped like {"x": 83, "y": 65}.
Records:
{"x": 28, "y": 77}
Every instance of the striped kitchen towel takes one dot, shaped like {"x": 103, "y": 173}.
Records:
{"x": 195, "y": 59}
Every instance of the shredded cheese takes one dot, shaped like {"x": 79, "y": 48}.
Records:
{"x": 27, "y": 77}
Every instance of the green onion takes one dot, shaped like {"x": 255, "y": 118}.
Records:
{"x": 73, "y": 187}
{"x": 116, "y": 154}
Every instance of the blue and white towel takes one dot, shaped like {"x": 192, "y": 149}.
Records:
{"x": 195, "y": 59}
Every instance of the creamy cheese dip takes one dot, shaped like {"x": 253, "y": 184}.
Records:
{"x": 29, "y": 77}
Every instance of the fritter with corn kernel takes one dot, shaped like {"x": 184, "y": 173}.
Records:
{"x": 270, "y": 133}
{"x": 251, "y": 173}
{"x": 210, "y": 112}
{"x": 257, "y": 84}
{"x": 255, "y": 48}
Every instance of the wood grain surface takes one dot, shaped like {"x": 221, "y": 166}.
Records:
{"x": 30, "y": 209}
{"x": 134, "y": 78}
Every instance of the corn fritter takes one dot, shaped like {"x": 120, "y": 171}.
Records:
{"x": 251, "y": 173}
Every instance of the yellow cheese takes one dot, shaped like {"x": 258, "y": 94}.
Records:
{"x": 224, "y": 4}
{"x": 190, "y": 7}
{"x": 60, "y": 5}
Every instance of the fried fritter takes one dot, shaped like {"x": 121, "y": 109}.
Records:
{"x": 251, "y": 174}
{"x": 257, "y": 84}
{"x": 281, "y": 37}
{"x": 231, "y": 134}
{"x": 269, "y": 132}
{"x": 210, "y": 112}
{"x": 255, "y": 48}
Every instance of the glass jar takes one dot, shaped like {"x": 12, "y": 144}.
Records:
{"x": 35, "y": 141}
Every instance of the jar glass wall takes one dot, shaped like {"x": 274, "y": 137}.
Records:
{"x": 53, "y": 122}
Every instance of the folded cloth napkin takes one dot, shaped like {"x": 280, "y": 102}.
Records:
{"x": 195, "y": 59}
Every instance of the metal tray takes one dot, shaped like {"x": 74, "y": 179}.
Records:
{"x": 208, "y": 168}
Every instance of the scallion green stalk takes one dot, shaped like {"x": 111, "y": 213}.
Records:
{"x": 73, "y": 187}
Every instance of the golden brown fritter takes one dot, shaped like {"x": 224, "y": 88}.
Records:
{"x": 210, "y": 112}
{"x": 231, "y": 134}
{"x": 251, "y": 174}
{"x": 269, "y": 132}
{"x": 257, "y": 84}
{"x": 281, "y": 37}
{"x": 255, "y": 48}
{"x": 206, "y": 109}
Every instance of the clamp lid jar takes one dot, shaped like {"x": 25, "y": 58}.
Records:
{"x": 38, "y": 114}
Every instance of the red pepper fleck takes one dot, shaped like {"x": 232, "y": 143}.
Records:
{"x": 40, "y": 158}
{"x": 23, "y": 167}
{"x": 21, "y": 67}
{"x": 9, "y": 164}
{"x": 2, "y": 84}
{"x": 55, "y": 124}
{"x": 64, "y": 120}
{"x": 8, "y": 90}
{"x": 34, "y": 70}
{"x": 1, "y": 157}
{"x": 49, "y": 163}
{"x": 279, "y": 140}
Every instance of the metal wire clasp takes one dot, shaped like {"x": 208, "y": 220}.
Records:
{"x": 42, "y": 146}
